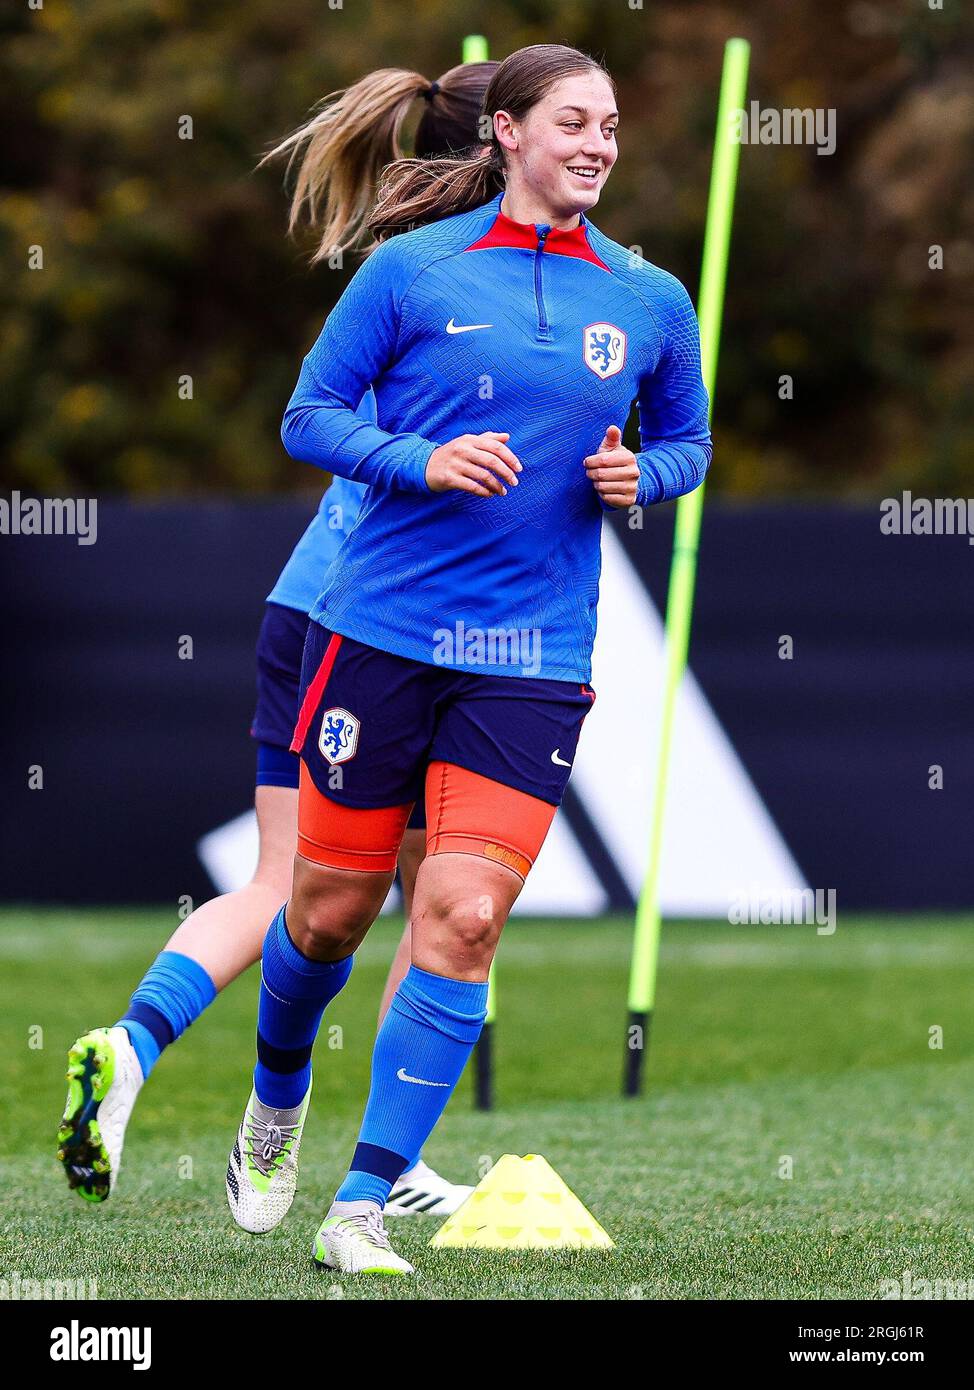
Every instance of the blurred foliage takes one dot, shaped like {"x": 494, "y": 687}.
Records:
{"x": 164, "y": 257}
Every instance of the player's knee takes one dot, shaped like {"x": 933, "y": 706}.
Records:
{"x": 331, "y": 910}
{"x": 321, "y": 934}
{"x": 464, "y": 929}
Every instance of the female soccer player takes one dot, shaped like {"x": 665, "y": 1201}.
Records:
{"x": 341, "y": 151}
{"x": 505, "y": 339}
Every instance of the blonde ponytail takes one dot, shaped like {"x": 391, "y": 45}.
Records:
{"x": 341, "y": 152}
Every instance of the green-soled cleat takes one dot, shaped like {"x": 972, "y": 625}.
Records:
{"x": 104, "y": 1078}
{"x": 353, "y": 1240}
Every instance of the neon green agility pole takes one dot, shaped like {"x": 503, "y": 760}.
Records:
{"x": 475, "y": 49}
{"x": 683, "y": 570}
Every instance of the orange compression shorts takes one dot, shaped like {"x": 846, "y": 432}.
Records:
{"x": 465, "y": 814}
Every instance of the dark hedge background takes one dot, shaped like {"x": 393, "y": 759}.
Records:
{"x": 165, "y": 256}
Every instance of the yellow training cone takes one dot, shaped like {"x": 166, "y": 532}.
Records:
{"x": 522, "y": 1204}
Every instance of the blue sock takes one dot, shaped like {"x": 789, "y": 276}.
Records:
{"x": 294, "y": 992}
{"x": 173, "y": 991}
{"x": 422, "y": 1047}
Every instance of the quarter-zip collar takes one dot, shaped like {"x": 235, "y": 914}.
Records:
{"x": 504, "y": 231}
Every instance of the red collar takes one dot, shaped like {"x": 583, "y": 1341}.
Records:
{"x": 524, "y": 235}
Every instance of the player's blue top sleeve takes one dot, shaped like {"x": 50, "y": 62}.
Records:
{"x": 356, "y": 345}
{"x": 673, "y": 430}
{"x": 299, "y": 582}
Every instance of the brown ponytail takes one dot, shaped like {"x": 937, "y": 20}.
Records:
{"x": 342, "y": 150}
{"x": 413, "y": 192}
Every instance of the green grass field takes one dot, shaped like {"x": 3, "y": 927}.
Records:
{"x": 769, "y": 1041}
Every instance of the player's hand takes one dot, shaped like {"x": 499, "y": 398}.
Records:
{"x": 613, "y": 471}
{"x": 477, "y": 463}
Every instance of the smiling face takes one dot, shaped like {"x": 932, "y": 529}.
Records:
{"x": 560, "y": 154}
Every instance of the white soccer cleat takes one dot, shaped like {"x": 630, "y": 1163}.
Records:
{"x": 262, "y": 1171}
{"x": 353, "y": 1240}
{"x": 423, "y": 1192}
{"x": 104, "y": 1078}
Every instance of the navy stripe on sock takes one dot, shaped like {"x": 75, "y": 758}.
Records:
{"x": 381, "y": 1163}
{"x": 150, "y": 1018}
{"x": 283, "y": 1060}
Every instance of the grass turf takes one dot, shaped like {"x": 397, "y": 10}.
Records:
{"x": 768, "y": 1042}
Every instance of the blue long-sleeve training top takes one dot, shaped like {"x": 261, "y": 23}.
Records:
{"x": 478, "y": 323}
{"x": 299, "y": 583}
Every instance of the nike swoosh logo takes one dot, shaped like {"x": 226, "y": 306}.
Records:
{"x": 418, "y": 1080}
{"x": 560, "y": 761}
{"x": 465, "y": 327}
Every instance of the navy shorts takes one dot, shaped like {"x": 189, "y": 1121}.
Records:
{"x": 371, "y": 722}
{"x": 280, "y": 648}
